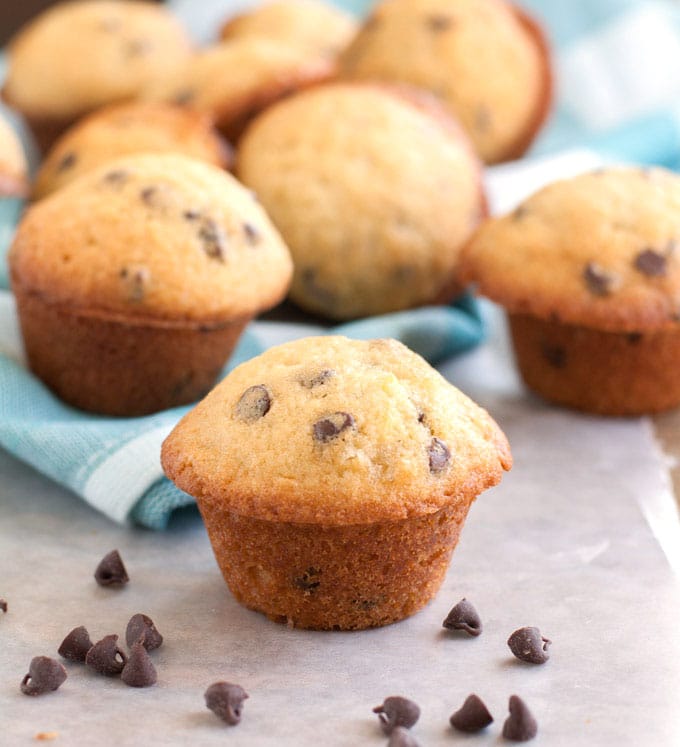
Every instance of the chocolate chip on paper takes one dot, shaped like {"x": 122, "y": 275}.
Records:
{"x": 463, "y": 616}
{"x": 105, "y": 657}
{"x": 139, "y": 670}
{"x": 3, "y": 605}
{"x": 225, "y": 700}
{"x": 472, "y": 716}
{"x": 397, "y": 711}
{"x": 111, "y": 570}
{"x": 44, "y": 676}
{"x": 141, "y": 628}
{"x": 520, "y": 725}
{"x": 527, "y": 644}
{"x": 76, "y": 644}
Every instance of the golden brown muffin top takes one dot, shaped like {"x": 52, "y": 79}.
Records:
{"x": 327, "y": 430}
{"x": 600, "y": 250}
{"x": 485, "y": 59}
{"x": 124, "y": 129}
{"x": 13, "y": 180}
{"x": 151, "y": 236}
{"x": 79, "y": 55}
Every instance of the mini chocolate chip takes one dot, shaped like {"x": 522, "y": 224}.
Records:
{"x": 116, "y": 177}
{"x": 397, "y": 711}
{"x": 309, "y": 580}
{"x": 520, "y": 725}
{"x": 3, "y": 605}
{"x": 139, "y": 670}
{"x": 421, "y": 416}
{"x": 225, "y": 700}
{"x": 527, "y": 644}
{"x": 330, "y": 427}
{"x": 105, "y": 657}
{"x": 191, "y": 215}
{"x": 464, "y": 616}
{"x": 600, "y": 282}
{"x": 439, "y": 455}
{"x": 472, "y": 716}
{"x": 252, "y": 234}
{"x": 650, "y": 262}
{"x": 213, "y": 238}
{"x": 318, "y": 379}
{"x": 44, "y": 675}
{"x": 148, "y": 195}
{"x": 184, "y": 97}
{"x": 520, "y": 212}
{"x": 76, "y": 644}
{"x": 634, "y": 338}
{"x": 555, "y": 355}
{"x": 401, "y": 737}
{"x": 439, "y": 22}
{"x": 111, "y": 571}
{"x": 141, "y": 628}
{"x": 254, "y": 404}
{"x": 136, "y": 281}
{"x": 66, "y": 162}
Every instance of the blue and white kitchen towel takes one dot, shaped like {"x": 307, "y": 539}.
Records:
{"x": 618, "y": 77}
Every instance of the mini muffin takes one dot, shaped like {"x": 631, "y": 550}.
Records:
{"x": 589, "y": 272}
{"x": 374, "y": 196}
{"x": 334, "y": 477}
{"x": 134, "y": 282}
{"x": 124, "y": 129}
{"x": 235, "y": 80}
{"x": 13, "y": 180}
{"x": 78, "y": 56}
{"x": 485, "y": 59}
{"x": 310, "y": 25}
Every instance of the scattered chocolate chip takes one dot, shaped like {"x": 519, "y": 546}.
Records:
{"x": 44, "y": 675}
{"x": 213, "y": 238}
{"x": 318, "y": 379}
{"x": 439, "y": 455}
{"x": 600, "y": 282}
{"x": 252, "y": 234}
{"x": 141, "y": 628}
{"x": 520, "y": 725}
{"x": 76, "y": 644}
{"x": 225, "y": 700}
{"x": 438, "y": 23}
{"x": 184, "y": 97}
{"x": 464, "y": 616}
{"x": 555, "y": 355}
{"x": 527, "y": 644}
{"x": 634, "y": 338}
{"x": 111, "y": 571}
{"x": 309, "y": 580}
{"x": 330, "y": 427}
{"x": 3, "y": 605}
{"x": 105, "y": 657}
{"x": 254, "y": 403}
{"x": 148, "y": 195}
{"x": 401, "y": 737}
{"x": 421, "y": 416}
{"x": 520, "y": 212}
{"x": 136, "y": 281}
{"x": 651, "y": 263}
{"x": 139, "y": 670}
{"x": 66, "y": 162}
{"x": 397, "y": 711}
{"x": 472, "y": 716}
{"x": 191, "y": 215}
{"x": 116, "y": 177}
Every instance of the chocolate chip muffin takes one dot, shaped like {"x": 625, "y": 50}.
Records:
{"x": 374, "y": 196}
{"x": 589, "y": 272}
{"x": 334, "y": 477}
{"x": 77, "y": 56}
{"x": 235, "y": 80}
{"x": 487, "y": 60}
{"x": 134, "y": 282}
{"x": 124, "y": 129}
{"x": 13, "y": 179}
{"x": 310, "y": 25}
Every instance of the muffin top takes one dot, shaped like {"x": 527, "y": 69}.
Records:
{"x": 236, "y": 79}
{"x": 310, "y": 25}
{"x": 600, "y": 250}
{"x": 335, "y": 431}
{"x": 374, "y": 195}
{"x": 124, "y": 129}
{"x": 485, "y": 59}
{"x": 151, "y": 236}
{"x": 79, "y": 55}
{"x": 13, "y": 181}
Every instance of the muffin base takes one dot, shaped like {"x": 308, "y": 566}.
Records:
{"x": 114, "y": 366}
{"x": 333, "y": 577}
{"x": 607, "y": 373}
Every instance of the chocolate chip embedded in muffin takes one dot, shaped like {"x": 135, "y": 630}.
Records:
{"x": 472, "y": 716}
{"x": 76, "y": 644}
{"x": 331, "y": 426}
{"x": 600, "y": 282}
{"x": 651, "y": 263}
{"x": 397, "y": 711}
{"x": 439, "y": 22}
{"x": 111, "y": 570}
{"x": 44, "y": 675}
{"x": 527, "y": 644}
{"x": 520, "y": 725}
{"x": 116, "y": 177}
{"x": 213, "y": 239}
{"x": 105, "y": 657}
{"x": 225, "y": 700}
{"x": 308, "y": 581}
{"x": 66, "y": 162}
{"x": 251, "y": 233}
{"x": 135, "y": 281}
{"x": 317, "y": 379}
{"x": 254, "y": 404}
{"x": 439, "y": 456}
{"x": 463, "y": 616}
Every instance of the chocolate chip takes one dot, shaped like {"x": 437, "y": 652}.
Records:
{"x": 66, "y": 162}
{"x": 438, "y": 23}
{"x": 252, "y": 234}
{"x": 520, "y": 725}
{"x": 105, "y": 657}
{"x": 76, "y": 644}
{"x": 439, "y": 455}
{"x": 139, "y": 670}
{"x": 318, "y": 379}
{"x": 520, "y": 212}
{"x": 213, "y": 238}
{"x": 397, "y": 711}
{"x": 136, "y": 281}
{"x": 3, "y": 605}
{"x": 148, "y": 195}
{"x": 254, "y": 403}
{"x": 330, "y": 427}
{"x": 600, "y": 282}
{"x": 141, "y": 628}
{"x": 117, "y": 177}
{"x": 138, "y": 47}
{"x": 650, "y": 262}
{"x": 184, "y": 97}
{"x": 225, "y": 700}
{"x": 555, "y": 355}
{"x": 527, "y": 644}
{"x": 111, "y": 571}
{"x": 309, "y": 580}
{"x": 191, "y": 215}
{"x": 464, "y": 616}
{"x": 44, "y": 675}
{"x": 401, "y": 737}
{"x": 634, "y": 338}
{"x": 472, "y": 716}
